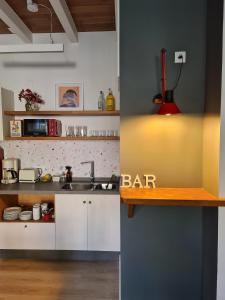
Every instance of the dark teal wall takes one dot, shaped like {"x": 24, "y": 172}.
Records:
{"x": 146, "y": 27}
{"x": 161, "y": 253}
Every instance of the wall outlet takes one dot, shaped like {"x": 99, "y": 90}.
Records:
{"x": 180, "y": 56}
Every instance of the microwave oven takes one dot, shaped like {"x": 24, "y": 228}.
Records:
{"x": 35, "y": 127}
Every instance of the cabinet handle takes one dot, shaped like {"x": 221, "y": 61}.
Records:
{"x": 90, "y": 202}
{"x": 84, "y": 202}
{"x": 25, "y": 226}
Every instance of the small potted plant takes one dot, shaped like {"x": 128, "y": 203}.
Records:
{"x": 33, "y": 99}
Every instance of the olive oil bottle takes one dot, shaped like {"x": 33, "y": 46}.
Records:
{"x": 110, "y": 101}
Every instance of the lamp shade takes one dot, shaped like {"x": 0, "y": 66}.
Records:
{"x": 168, "y": 108}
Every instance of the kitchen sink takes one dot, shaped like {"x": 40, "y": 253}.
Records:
{"x": 81, "y": 186}
{"x": 78, "y": 186}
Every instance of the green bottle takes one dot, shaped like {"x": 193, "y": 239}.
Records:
{"x": 101, "y": 101}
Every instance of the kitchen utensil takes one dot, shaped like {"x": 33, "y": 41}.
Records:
{"x": 25, "y": 215}
{"x": 44, "y": 208}
{"x": 47, "y": 217}
{"x": 62, "y": 178}
{"x": 68, "y": 174}
{"x": 71, "y": 130}
{"x": 78, "y": 130}
{"x": 36, "y": 212}
{"x": 91, "y": 133}
{"x": 83, "y": 130}
{"x": 96, "y": 132}
{"x": 107, "y": 186}
{"x": 116, "y": 132}
{"x": 56, "y": 178}
{"x": 11, "y": 213}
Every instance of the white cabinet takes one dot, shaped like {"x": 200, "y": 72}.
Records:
{"x": 27, "y": 236}
{"x": 71, "y": 222}
{"x": 104, "y": 223}
{"x": 87, "y": 222}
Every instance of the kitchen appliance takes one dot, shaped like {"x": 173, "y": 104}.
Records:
{"x": 35, "y": 127}
{"x": 30, "y": 175}
{"x": 10, "y": 169}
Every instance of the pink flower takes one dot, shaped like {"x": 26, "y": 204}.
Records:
{"x": 30, "y": 96}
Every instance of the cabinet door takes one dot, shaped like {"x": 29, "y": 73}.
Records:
{"x": 71, "y": 222}
{"x": 104, "y": 223}
{"x": 27, "y": 236}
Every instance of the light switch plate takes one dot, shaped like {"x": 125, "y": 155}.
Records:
{"x": 178, "y": 59}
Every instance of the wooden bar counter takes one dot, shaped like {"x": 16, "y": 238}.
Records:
{"x": 168, "y": 197}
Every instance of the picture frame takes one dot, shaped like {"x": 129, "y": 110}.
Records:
{"x": 15, "y": 128}
{"x": 69, "y": 96}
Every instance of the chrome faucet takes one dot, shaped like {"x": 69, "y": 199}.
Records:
{"x": 92, "y": 173}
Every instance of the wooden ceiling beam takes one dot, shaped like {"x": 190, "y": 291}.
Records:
{"x": 62, "y": 11}
{"x": 13, "y": 21}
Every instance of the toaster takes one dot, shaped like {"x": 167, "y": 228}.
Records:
{"x": 30, "y": 175}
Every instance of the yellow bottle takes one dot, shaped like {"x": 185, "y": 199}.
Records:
{"x": 110, "y": 101}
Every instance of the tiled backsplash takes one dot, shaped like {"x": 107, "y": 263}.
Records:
{"x": 52, "y": 157}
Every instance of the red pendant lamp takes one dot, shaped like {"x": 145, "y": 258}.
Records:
{"x": 168, "y": 106}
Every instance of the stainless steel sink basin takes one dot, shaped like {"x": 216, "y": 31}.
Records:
{"x": 78, "y": 186}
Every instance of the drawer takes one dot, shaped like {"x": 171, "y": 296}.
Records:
{"x": 27, "y": 236}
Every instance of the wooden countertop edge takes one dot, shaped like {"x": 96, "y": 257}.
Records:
{"x": 170, "y": 197}
{"x": 160, "y": 202}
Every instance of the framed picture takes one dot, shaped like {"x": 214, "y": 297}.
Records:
{"x": 15, "y": 128}
{"x": 69, "y": 96}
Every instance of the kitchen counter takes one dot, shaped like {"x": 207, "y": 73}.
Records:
{"x": 51, "y": 188}
{"x": 168, "y": 197}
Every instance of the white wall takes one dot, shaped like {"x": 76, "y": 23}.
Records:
{"x": 92, "y": 61}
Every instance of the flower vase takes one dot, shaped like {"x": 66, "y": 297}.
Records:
{"x": 36, "y": 107}
{"x": 28, "y": 106}
{"x": 32, "y": 106}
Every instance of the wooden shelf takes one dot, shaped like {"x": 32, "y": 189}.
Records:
{"x": 168, "y": 197}
{"x": 97, "y": 113}
{"x": 30, "y": 221}
{"x": 63, "y": 138}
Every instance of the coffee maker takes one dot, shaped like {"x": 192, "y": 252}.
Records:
{"x": 10, "y": 168}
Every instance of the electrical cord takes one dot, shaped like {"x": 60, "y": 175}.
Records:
{"x": 51, "y": 16}
{"x": 179, "y": 72}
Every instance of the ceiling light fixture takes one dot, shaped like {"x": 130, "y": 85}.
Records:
{"x": 166, "y": 99}
{"x": 32, "y": 7}
{"x": 34, "y": 48}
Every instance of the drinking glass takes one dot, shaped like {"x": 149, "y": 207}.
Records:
{"x": 71, "y": 130}
{"x": 83, "y": 130}
{"x": 78, "y": 130}
{"x": 91, "y": 133}
{"x": 96, "y": 132}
